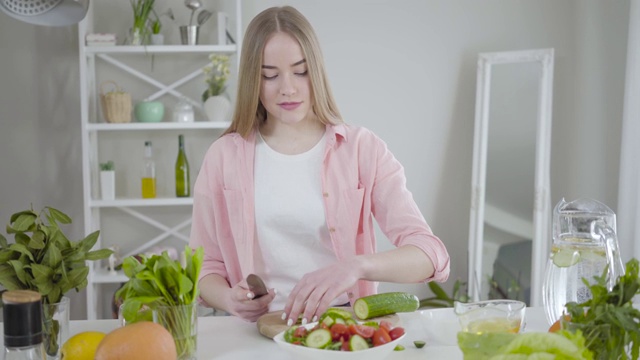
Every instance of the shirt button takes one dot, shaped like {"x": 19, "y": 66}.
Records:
{"x": 332, "y": 229}
{"x": 325, "y": 194}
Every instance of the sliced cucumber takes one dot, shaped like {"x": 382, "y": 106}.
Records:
{"x": 384, "y": 304}
{"x": 328, "y": 321}
{"x": 319, "y": 339}
{"x": 357, "y": 342}
{"x": 419, "y": 344}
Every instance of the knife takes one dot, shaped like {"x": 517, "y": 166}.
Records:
{"x": 257, "y": 286}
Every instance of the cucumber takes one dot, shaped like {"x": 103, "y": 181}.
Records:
{"x": 384, "y": 304}
{"x": 318, "y": 339}
{"x": 357, "y": 342}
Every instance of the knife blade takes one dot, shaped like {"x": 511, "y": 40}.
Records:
{"x": 257, "y": 286}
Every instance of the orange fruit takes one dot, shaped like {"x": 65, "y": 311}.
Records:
{"x": 141, "y": 341}
{"x": 557, "y": 326}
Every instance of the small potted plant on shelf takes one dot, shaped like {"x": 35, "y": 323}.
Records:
{"x": 107, "y": 180}
{"x": 216, "y": 73}
{"x": 164, "y": 290}
{"x": 156, "y": 25}
{"x": 43, "y": 259}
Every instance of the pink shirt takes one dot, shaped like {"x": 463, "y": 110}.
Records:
{"x": 361, "y": 179}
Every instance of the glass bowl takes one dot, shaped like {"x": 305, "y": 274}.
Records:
{"x": 500, "y": 315}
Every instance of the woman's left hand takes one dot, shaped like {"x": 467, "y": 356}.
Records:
{"x": 314, "y": 293}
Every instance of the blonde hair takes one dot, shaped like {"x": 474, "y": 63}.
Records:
{"x": 249, "y": 113}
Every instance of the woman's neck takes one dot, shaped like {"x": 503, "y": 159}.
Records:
{"x": 292, "y": 139}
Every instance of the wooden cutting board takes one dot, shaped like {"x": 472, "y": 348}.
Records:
{"x": 271, "y": 324}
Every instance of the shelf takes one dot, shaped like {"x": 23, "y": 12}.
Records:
{"x": 157, "y": 49}
{"x": 158, "y": 126}
{"x": 133, "y": 202}
{"x": 102, "y": 276}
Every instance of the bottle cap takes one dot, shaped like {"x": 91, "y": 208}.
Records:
{"x": 22, "y": 311}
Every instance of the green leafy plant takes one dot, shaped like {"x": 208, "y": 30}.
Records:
{"x": 141, "y": 11}
{"x": 107, "y": 166}
{"x": 158, "y": 282}
{"x": 609, "y": 321}
{"x": 43, "y": 259}
{"x": 216, "y": 75}
{"x": 156, "y": 24}
{"x": 441, "y": 299}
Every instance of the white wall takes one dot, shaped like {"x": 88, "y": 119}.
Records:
{"x": 405, "y": 69}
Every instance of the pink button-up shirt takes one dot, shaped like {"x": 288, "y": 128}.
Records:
{"x": 361, "y": 179}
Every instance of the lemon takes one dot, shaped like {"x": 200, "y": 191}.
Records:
{"x": 81, "y": 346}
{"x": 566, "y": 257}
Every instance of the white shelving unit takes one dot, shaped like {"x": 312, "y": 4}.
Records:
{"x": 95, "y": 131}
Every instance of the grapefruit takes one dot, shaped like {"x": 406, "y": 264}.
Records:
{"x": 141, "y": 341}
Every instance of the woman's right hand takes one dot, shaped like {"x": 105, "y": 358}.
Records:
{"x": 240, "y": 302}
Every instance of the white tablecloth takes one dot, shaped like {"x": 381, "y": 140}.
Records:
{"x": 228, "y": 337}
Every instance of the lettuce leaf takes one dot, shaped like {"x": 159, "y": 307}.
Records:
{"x": 562, "y": 345}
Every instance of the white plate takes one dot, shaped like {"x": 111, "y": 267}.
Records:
{"x": 441, "y": 326}
{"x": 303, "y": 352}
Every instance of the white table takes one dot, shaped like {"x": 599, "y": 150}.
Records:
{"x": 228, "y": 337}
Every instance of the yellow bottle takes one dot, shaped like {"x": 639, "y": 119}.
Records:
{"x": 148, "y": 173}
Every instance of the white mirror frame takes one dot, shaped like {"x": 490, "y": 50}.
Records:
{"x": 542, "y": 200}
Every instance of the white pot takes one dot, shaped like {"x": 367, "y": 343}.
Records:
{"x": 157, "y": 39}
{"x": 108, "y": 184}
{"x": 217, "y": 108}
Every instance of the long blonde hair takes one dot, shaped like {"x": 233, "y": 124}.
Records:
{"x": 249, "y": 112}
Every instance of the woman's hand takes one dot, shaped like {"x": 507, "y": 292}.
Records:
{"x": 314, "y": 293}
{"x": 240, "y": 302}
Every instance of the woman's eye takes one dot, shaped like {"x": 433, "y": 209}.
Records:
{"x": 302, "y": 73}
{"x": 266, "y": 77}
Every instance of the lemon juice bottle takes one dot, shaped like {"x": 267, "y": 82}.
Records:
{"x": 148, "y": 173}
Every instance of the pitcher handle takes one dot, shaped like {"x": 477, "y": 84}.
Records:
{"x": 610, "y": 240}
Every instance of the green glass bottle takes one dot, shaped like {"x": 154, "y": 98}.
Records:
{"x": 183, "y": 185}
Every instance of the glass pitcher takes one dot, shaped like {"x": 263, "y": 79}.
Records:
{"x": 584, "y": 245}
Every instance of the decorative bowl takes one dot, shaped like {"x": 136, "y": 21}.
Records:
{"x": 149, "y": 111}
{"x": 303, "y": 352}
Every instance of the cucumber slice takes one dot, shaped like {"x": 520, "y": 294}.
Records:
{"x": 357, "y": 342}
{"x": 384, "y": 304}
{"x": 328, "y": 321}
{"x": 566, "y": 257}
{"x": 319, "y": 339}
{"x": 338, "y": 313}
{"x": 419, "y": 344}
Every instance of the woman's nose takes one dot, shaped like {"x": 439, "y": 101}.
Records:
{"x": 287, "y": 86}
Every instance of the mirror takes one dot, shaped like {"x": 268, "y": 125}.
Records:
{"x": 510, "y": 196}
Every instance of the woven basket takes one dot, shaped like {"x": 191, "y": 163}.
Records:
{"x": 116, "y": 104}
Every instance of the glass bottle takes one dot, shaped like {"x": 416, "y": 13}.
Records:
{"x": 183, "y": 185}
{"x": 148, "y": 173}
{"x": 22, "y": 311}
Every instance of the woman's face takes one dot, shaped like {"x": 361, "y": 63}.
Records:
{"x": 285, "y": 87}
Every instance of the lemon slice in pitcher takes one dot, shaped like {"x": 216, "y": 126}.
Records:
{"x": 566, "y": 257}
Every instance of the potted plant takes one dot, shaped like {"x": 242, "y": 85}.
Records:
{"x": 43, "y": 259}
{"x": 165, "y": 291}
{"x": 140, "y": 30}
{"x": 156, "y": 25}
{"x": 107, "y": 180}
{"x": 216, "y": 74}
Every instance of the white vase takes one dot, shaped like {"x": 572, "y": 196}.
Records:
{"x": 157, "y": 39}
{"x": 217, "y": 108}
{"x": 108, "y": 184}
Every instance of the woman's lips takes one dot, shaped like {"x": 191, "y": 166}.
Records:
{"x": 289, "y": 105}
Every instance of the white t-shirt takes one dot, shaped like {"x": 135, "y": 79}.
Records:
{"x": 291, "y": 227}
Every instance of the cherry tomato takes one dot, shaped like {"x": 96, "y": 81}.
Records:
{"x": 381, "y": 337}
{"x": 339, "y": 330}
{"x": 345, "y": 345}
{"x": 396, "y": 333}
{"x": 362, "y": 330}
{"x": 300, "y": 332}
{"x": 386, "y": 325}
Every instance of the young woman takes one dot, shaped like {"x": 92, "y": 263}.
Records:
{"x": 289, "y": 191}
